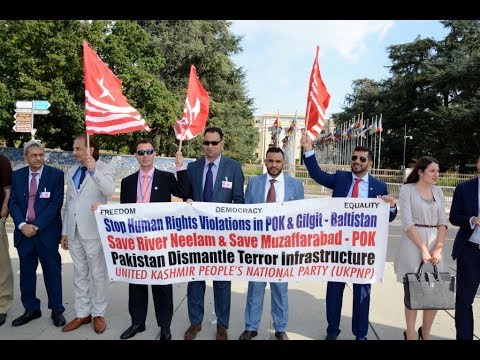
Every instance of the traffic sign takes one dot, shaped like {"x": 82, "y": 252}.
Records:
{"x": 23, "y": 116}
{"x": 41, "y": 112}
{"x": 27, "y": 111}
{"x": 21, "y": 104}
{"x": 41, "y": 104}
{"x": 22, "y": 128}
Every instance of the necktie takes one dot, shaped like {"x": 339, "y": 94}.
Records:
{"x": 31, "y": 199}
{"x": 145, "y": 193}
{"x": 208, "y": 187}
{"x": 271, "y": 196}
{"x": 82, "y": 176}
{"x": 355, "y": 187}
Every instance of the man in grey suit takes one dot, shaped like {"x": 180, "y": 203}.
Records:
{"x": 226, "y": 179}
{"x": 89, "y": 184}
{"x": 272, "y": 186}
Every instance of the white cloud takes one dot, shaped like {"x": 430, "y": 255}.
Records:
{"x": 294, "y": 38}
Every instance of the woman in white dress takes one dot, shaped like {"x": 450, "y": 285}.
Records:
{"x": 424, "y": 225}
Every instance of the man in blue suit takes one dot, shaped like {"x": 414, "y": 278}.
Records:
{"x": 35, "y": 204}
{"x": 272, "y": 186}
{"x": 226, "y": 179}
{"x": 342, "y": 183}
{"x": 465, "y": 213}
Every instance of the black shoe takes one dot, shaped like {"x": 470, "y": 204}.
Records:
{"x": 281, "y": 336}
{"x": 3, "y": 317}
{"x": 330, "y": 337}
{"x": 58, "y": 319}
{"x": 132, "y": 331}
{"x": 248, "y": 335}
{"x": 26, "y": 317}
{"x": 420, "y": 335}
{"x": 165, "y": 334}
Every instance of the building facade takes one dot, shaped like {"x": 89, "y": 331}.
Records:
{"x": 288, "y": 138}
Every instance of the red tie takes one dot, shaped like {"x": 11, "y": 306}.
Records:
{"x": 145, "y": 193}
{"x": 31, "y": 199}
{"x": 355, "y": 187}
{"x": 271, "y": 196}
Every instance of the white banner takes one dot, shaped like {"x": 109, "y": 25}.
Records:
{"x": 331, "y": 239}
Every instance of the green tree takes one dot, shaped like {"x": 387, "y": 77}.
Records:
{"x": 208, "y": 45}
{"x": 42, "y": 59}
{"x": 433, "y": 91}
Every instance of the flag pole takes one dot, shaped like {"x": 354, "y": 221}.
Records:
{"x": 181, "y": 140}
{"x": 379, "y": 143}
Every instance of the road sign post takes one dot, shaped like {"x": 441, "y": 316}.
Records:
{"x": 40, "y": 104}
{"x": 24, "y": 114}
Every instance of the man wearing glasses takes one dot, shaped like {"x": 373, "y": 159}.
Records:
{"x": 465, "y": 213}
{"x": 215, "y": 178}
{"x": 355, "y": 183}
{"x": 145, "y": 186}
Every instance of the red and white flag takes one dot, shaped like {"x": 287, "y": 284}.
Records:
{"x": 106, "y": 109}
{"x": 195, "y": 111}
{"x": 318, "y": 99}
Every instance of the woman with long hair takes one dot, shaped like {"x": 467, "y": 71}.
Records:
{"x": 424, "y": 225}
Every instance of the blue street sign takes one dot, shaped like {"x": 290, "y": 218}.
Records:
{"x": 41, "y": 104}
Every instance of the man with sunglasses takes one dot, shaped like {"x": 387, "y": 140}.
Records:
{"x": 145, "y": 186}
{"x": 343, "y": 185}
{"x": 214, "y": 178}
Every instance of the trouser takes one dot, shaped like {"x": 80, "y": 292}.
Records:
{"x": 162, "y": 301}
{"x": 468, "y": 280}
{"x": 30, "y": 251}
{"x": 6, "y": 272}
{"x": 90, "y": 276}
{"x": 196, "y": 300}
{"x": 279, "y": 305}
{"x": 361, "y": 308}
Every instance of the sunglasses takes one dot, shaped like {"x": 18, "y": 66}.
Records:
{"x": 362, "y": 159}
{"x": 143, "y": 152}
{"x": 214, "y": 143}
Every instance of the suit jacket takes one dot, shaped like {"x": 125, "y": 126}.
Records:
{"x": 464, "y": 206}
{"x": 78, "y": 213}
{"x": 341, "y": 181}
{"x": 48, "y": 217}
{"x": 164, "y": 185}
{"x": 255, "y": 192}
{"x": 228, "y": 168}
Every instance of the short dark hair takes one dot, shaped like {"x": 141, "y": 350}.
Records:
{"x": 214, "y": 129}
{"x": 275, "y": 149}
{"x": 421, "y": 164}
{"x": 93, "y": 143}
{"x": 365, "y": 149}
{"x": 142, "y": 141}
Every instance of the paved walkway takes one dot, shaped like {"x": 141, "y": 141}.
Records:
{"x": 307, "y": 320}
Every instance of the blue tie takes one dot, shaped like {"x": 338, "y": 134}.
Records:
{"x": 208, "y": 187}
{"x": 82, "y": 176}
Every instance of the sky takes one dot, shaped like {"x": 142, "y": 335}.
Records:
{"x": 278, "y": 56}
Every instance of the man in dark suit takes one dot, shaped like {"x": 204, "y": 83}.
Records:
{"x": 343, "y": 185}
{"x": 465, "y": 213}
{"x": 35, "y": 205}
{"x": 152, "y": 185}
{"x": 226, "y": 180}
